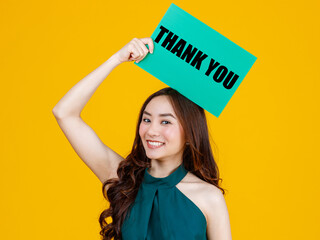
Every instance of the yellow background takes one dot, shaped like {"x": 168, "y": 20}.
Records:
{"x": 267, "y": 137}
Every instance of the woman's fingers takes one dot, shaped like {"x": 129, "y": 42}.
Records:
{"x": 141, "y": 42}
{"x": 135, "y": 50}
{"x": 143, "y": 47}
{"x": 143, "y": 52}
{"x": 138, "y": 45}
{"x": 148, "y": 41}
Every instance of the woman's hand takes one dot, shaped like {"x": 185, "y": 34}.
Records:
{"x": 135, "y": 50}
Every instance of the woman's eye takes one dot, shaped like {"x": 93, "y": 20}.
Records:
{"x": 147, "y": 120}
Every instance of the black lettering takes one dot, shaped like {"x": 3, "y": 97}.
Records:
{"x": 213, "y": 64}
{"x": 220, "y": 74}
{"x": 161, "y": 33}
{"x": 188, "y": 53}
{"x": 178, "y": 48}
{"x": 228, "y": 84}
{"x": 198, "y": 59}
{"x": 171, "y": 39}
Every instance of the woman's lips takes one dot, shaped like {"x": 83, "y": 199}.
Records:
{"x": 154, "y": 146}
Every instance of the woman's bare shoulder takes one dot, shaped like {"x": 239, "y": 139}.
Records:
{"x": 198, "y": 191}
{"x": 192, "y": 179}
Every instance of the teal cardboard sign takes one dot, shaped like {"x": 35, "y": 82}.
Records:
{"x": 196, "y": 60}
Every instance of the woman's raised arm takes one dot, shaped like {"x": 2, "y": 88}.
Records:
{"x": 102, "y": 160}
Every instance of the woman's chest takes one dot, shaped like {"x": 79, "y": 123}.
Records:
{"x": 165, "y": 214}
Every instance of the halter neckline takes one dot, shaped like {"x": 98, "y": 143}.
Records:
{"x": 166, "y": 182}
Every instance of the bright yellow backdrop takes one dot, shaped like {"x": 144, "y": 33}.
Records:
{"x": 267, "y": 136}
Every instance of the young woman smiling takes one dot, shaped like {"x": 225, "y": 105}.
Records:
{"x": 168, "y": 187}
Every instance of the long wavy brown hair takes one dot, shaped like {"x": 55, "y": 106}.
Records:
{"x": 197, "y": 159}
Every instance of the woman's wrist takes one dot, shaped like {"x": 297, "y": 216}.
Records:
{"x": 114, "y": 60}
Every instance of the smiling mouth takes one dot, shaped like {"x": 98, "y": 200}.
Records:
{"x": 154, "y": 145}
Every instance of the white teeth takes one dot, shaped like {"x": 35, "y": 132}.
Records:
{"x": 155, "y": 143}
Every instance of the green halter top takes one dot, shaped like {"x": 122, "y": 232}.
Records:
{"x": 162, "y": 212}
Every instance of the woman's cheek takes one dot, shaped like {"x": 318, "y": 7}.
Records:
{"x": 170, "y": 133}
{"x": 141, "y": 130}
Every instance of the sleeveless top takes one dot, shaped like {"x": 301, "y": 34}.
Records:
{"x": 162, "y": 212}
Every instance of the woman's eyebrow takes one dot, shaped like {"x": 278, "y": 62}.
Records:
{"x": 161, "y": 115}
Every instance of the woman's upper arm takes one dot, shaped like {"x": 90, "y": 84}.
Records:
{"x": 102, "y": 160}
{"x": 218, "y": 218}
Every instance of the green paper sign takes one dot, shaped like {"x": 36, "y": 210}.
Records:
{"x": 196, "y": 60}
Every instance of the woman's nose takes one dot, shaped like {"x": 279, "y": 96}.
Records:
{"x": 153, "y": 129}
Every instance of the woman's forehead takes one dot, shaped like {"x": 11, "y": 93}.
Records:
{"x": 160, "y": 105}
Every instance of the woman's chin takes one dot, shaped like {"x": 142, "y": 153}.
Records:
{"x": 154, "y": 156}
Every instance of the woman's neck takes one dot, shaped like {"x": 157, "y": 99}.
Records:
{"x": 161, "y": 169}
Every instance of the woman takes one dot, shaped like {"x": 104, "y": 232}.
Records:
{"x": 168, "y": 186}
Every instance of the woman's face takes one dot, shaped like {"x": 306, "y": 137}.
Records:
{"x": 160, "y": 131}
